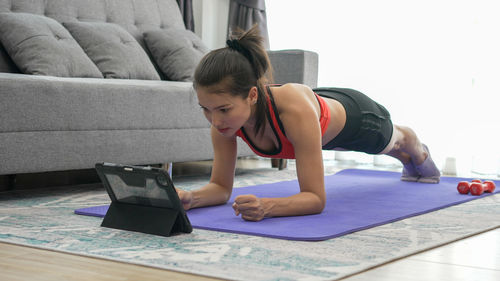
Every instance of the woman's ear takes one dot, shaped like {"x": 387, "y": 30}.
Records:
{"x": 253, "y": 95}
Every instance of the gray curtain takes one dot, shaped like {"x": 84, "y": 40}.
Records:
{"x": 245, "y": 13}
{"x": 186, "y": 7}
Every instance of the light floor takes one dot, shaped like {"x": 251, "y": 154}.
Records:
{"x": 473, "y": 258}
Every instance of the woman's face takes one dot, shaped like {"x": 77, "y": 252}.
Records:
{"x": 227, "y": 113}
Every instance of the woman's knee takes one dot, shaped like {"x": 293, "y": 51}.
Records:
{"x": 403, "y": 139}
{"x": 409, "y": 139}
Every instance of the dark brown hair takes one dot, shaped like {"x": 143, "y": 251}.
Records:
{"x": 237, "y": 68}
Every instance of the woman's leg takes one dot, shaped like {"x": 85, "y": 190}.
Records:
{"x": 417, "y": 163}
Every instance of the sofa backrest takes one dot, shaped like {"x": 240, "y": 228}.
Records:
{"x": 135, "y": 16}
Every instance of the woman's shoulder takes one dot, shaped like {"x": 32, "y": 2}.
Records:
{"x": 289, "y": 87}
{"x": 297, "y": 108}
{"x": 291, "y": 96}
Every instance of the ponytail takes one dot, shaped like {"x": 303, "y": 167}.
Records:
{"x": 237, "y": 68}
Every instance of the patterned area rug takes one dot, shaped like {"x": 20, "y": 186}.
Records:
{"x": 45, "y": 219}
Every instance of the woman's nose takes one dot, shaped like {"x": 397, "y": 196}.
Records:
{"x": 215, "y": 120}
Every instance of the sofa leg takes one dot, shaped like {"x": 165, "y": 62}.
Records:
{"x": 279, "y": 163}
{"x": 11, "y": 182}
{"x": 168, "y": 167}
{"x": 283, "y": 164}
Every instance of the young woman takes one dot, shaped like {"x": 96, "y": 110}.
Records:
{"x": 292, "y": 122}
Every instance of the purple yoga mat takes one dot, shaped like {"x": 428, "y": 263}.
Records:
{"x": 356, "y": 200}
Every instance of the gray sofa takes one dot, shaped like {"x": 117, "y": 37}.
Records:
{"x": 50, "y": 123}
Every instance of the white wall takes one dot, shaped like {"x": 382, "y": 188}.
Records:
{"x": 210, "y": 21}
{"x": 433, "y": 64}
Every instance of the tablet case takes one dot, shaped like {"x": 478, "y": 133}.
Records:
{"x": 143, "y": 199}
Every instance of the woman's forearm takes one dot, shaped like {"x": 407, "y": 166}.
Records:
{"x": 209, "y": 195}
{"x": 304, "y": 203}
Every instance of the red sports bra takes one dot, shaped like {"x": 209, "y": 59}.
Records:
{"x": 285, "y": 148}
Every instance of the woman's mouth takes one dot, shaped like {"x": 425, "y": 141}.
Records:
{"x": 222, "y": 131}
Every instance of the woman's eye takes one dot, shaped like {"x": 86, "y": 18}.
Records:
{"x": 224, "y": 110}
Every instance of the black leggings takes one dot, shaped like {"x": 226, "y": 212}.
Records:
{"x": 368, "y": 125}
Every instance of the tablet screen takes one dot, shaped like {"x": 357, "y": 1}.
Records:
{"x": 149, "y": 193}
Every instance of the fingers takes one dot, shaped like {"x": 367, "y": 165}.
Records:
{"x": 249, "y": 206}
{"x": 251, "y": 218}
{"x": 244, "y": 203}
{"x": 247, "y": 202}
{"x": 245, "y": 198}
{"x": 235, "y": 208}
{"x": 180, "y": 193}
{"x": 185, "y": 197}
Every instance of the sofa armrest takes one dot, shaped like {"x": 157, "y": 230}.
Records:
{"x": 295, "y": 66}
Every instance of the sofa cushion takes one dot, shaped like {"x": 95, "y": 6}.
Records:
{"x": 115, "y": 52}
{"x": 176, "y": 51}
{"x": 40, "y": 45}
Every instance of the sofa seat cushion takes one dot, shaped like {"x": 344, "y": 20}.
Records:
{"x": 176, "y": 51}
{"x": 115, "y": 52}
{"x": 87, "y": 104}
{"x": 40, "y": 45}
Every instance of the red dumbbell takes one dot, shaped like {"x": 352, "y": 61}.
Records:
{"x": 477, "y": 188}
{"x": 490, "y": 186}
{"x": 463, "y": 187}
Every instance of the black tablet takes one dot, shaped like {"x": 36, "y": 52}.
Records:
{"x": 146, "y": 190}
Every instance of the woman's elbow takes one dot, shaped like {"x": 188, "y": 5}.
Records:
{"x": 226, "y": 196}
{"x": 223, "y": 192}
{"x": 319, "y": 206}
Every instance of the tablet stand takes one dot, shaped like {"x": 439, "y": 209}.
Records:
{"x": 145, "y": 219}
